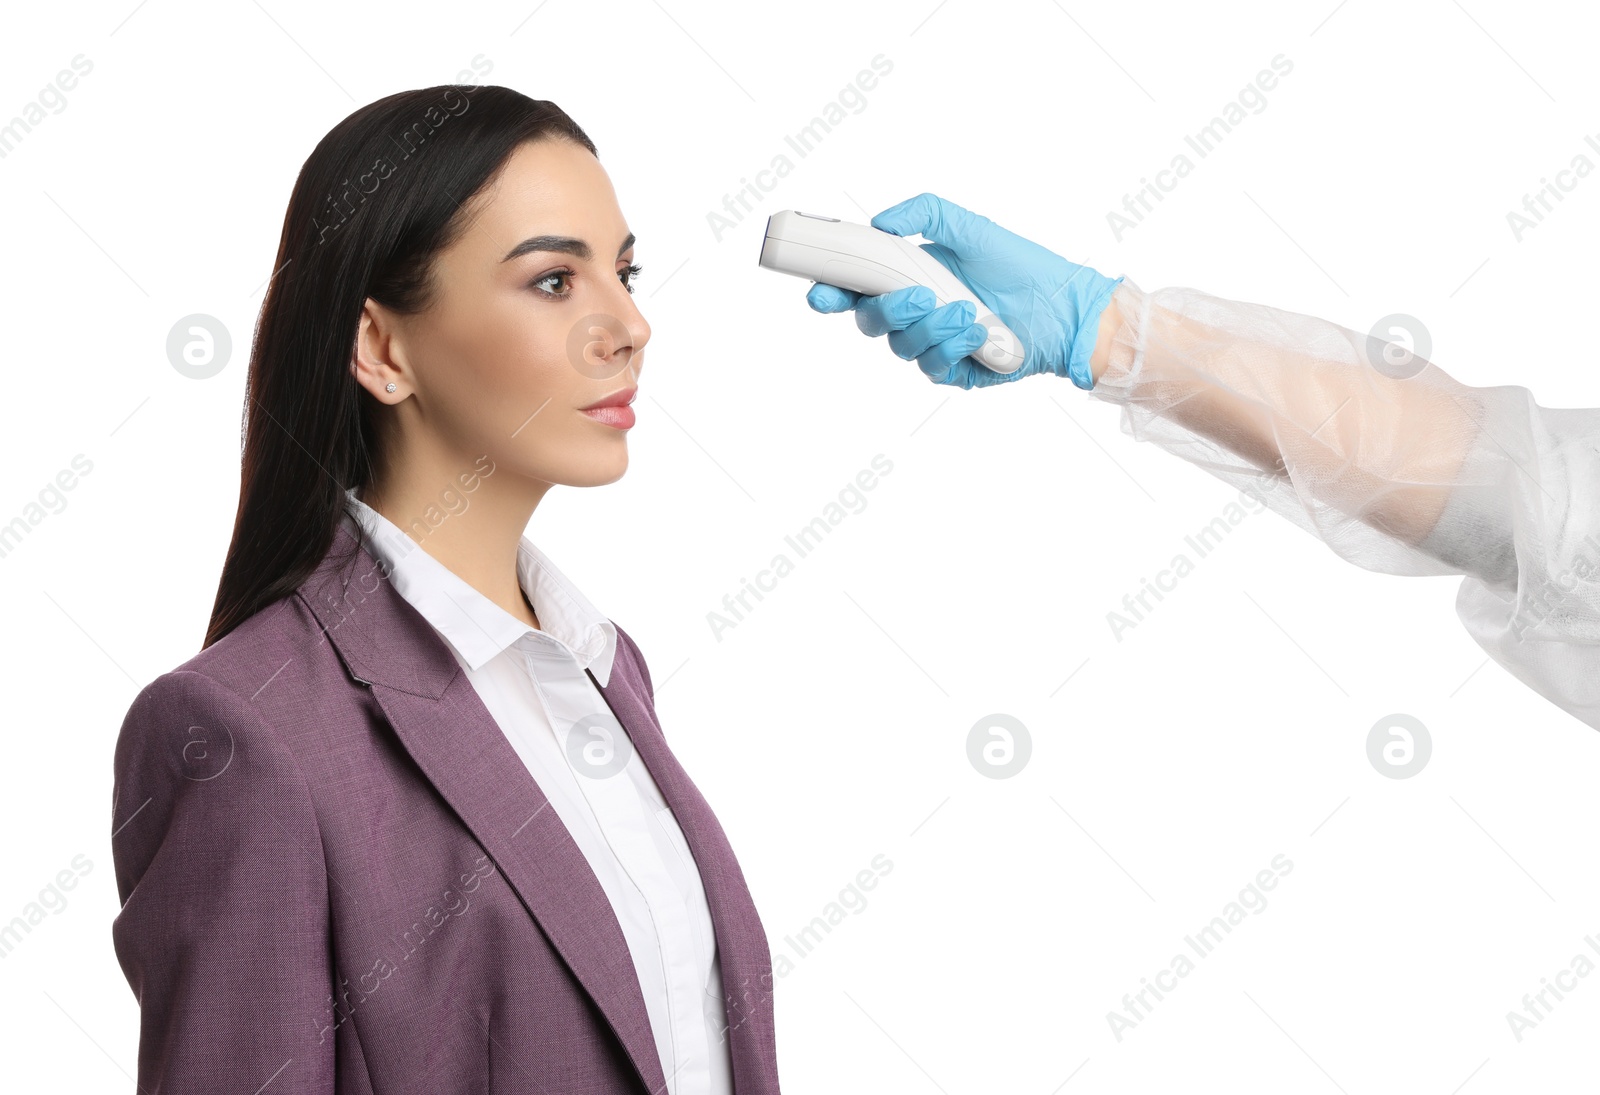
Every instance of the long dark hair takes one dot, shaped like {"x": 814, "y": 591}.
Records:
{"x": 377, "y": 198}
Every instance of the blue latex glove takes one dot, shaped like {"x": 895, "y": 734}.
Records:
{"x": 1051, "y": 304}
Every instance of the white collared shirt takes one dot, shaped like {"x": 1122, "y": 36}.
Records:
{"x": 533, "y": 683}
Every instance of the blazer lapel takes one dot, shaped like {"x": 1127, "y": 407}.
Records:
{"x": 743, "y": 955}
{"x": 385, "y": 643}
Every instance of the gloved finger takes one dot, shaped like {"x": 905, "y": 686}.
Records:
{"x": 941, "y": 323}
{"x": 831, "y": 298}
{"x": 950, "y": 361}
{"x": 894, "y": 311}
{"x": 932, "y": 217}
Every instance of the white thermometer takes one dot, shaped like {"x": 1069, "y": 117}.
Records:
{"x": 872, "y": 261}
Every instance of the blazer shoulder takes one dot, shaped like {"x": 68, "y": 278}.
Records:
{"x": 285, "y": 624}
{"x": 183, "y": 731}
{"x": 259, "y": 681}
{"x": 171, "y": 720}
{"x": 279, "y": 661}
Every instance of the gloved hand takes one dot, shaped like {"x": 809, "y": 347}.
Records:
{"x": 1051, "y": 304}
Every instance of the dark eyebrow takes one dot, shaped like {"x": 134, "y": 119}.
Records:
{"x": 566, "y": 244}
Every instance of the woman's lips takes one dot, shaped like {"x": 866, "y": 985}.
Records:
{"x": 619, "y": 417}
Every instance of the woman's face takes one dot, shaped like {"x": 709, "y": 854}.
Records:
{"x": 532, "y": 320}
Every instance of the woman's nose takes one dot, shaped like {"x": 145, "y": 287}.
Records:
{"x": 604, "y": 343}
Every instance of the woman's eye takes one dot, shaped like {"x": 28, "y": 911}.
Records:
{"x": 551, "y": 276}
{"x": 627, "y": 274}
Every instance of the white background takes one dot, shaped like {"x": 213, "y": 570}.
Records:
{"x": 831, "y": 724}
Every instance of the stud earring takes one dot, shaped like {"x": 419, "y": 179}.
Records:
{"x": 389, "y": 387}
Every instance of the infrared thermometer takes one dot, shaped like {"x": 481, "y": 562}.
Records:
{"x": 869, "y": 260}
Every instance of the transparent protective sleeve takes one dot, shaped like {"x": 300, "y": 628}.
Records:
{"x": 1399, "y": 470}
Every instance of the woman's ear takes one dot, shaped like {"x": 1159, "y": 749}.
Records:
{"x": 373, "y": 363}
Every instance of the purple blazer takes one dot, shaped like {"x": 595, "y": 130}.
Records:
{"x": 337, "y": 875}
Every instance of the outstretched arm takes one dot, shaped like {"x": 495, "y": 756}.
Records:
{"x": 1410, "y": 474}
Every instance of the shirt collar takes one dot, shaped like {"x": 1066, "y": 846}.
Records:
{"x": 476, "y": 627}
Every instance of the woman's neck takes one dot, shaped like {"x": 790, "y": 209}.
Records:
{"x": 475, "y": 535}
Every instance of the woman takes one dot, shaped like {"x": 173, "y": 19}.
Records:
{"x": 1394, "y": 464}
{"x": 408, "y": 823}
